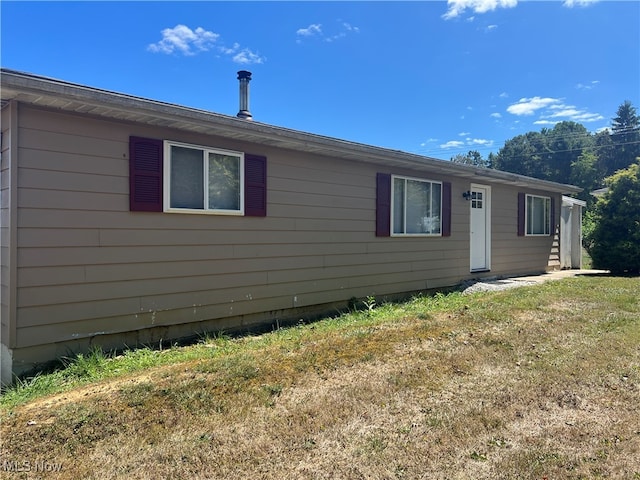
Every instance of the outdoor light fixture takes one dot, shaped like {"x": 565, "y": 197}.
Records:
{"x": 466, "y": 195}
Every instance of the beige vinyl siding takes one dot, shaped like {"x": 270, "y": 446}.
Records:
{"x": 8, "y": 207}
{"x": 87, "y": 267}
{"x": 513, "y": 254}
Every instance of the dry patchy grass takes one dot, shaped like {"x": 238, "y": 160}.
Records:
{"x": 532, "y": 383}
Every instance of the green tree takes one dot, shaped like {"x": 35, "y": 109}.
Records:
{"x": 491, "y": 160}
{"x": 585, "y": 174}
{"x": 548, "y": 154}
{"x": 472, "y": 158}
{"x": 567, "y": 141}
{"x": 625, "y": 136}
{"x": 614, "y": 243}
{"x": 605, "y": 150}
{"x": 524, "y": 154}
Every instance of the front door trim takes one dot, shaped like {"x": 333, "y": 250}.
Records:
{"x": 480, "y": 261}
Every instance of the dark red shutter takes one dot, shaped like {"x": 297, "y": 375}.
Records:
{"x": 521, "y": 213}
{"x": 145, "y": 174}
{"x": 255, "y": 185}
{"x": 383, "y": 205}
{"x": 446, "y": 209}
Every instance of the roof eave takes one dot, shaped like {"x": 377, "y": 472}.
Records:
{"x": 52, "y": 93}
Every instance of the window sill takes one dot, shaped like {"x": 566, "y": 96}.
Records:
{"x": 419, "y": 235}
{"x": 193, "y": 211}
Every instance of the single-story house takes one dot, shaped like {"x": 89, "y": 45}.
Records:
{"x": 127, "y": 221}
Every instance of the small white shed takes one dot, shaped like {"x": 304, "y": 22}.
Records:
{"x": 571, "y": 233}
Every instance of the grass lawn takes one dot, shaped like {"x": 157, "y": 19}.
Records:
{"x": 530, "y": 383}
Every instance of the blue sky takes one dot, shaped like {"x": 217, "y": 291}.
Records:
{"x": 436, "y": 78}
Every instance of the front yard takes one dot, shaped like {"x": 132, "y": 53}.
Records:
{"x": 530, "y": 383}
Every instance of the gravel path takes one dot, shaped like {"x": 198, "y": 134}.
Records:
{"x": 491, "y": 284}
{"x": 487, "y": 285}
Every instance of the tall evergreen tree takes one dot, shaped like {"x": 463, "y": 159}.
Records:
{"x": 568, "y": 153}
{"x": 625, "y": 136}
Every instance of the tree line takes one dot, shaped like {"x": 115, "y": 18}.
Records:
{"x": 568, "y": 153}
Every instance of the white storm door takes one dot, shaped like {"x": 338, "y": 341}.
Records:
{"x": 480, "y": 240}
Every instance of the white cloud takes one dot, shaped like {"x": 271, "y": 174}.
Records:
{"x": 335, "y": 37}
{"x": 468, "y": 142}
{"x": 562, "y": 111}
{"x": 311, "y": 30}
{"x": 452, "y": 144}
{"x": 528, "y": 106}
{"x": 495, "y": 115}
{"x": 480, "y": 141}
{"x": 458, "y": 7}
{"x": 183, "y": 40}
{"x": 428, "y": 141}
{"x": 587, "y": 117}
{"x": 578, "y": 3}
{"x": 463, "y": 134}
{"x": 229, "y": 50}
{"x": 247, "y": 57}
{"x": 316, "y": 30}
{"x": 552, "y": 111}
{"x": 572, "y": 113}
{"x": 350, "y": 28}
{"x": 588, "y": 85}
{"x": 503, "y": 95}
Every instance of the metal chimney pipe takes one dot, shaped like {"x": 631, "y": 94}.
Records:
{"x": 245, "y": 78}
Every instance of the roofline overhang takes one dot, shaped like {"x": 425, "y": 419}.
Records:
{"x": 58, "y": 94}
{"x": 573, "y": 201}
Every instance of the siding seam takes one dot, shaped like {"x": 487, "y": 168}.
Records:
{"x": 13, "y": 226}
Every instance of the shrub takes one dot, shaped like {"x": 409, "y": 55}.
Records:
{"x": 614, "y": 243}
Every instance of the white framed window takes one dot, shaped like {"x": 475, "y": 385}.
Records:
{"x": 538, "y": 215}
{"x": 203, "y": 180}
{"x": 416, "y": 206}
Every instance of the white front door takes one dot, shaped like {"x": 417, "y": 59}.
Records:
{"x": 480, "y": 240}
